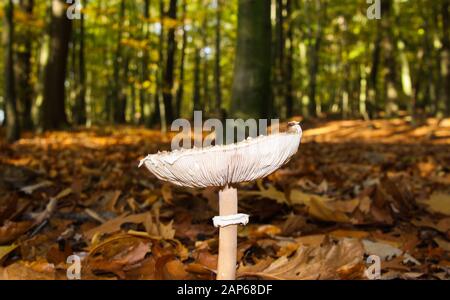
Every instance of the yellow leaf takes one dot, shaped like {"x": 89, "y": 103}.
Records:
{"x": 5, "y": 250}
{"x": 439, "y": 203}
{"x": 320, "y": 210}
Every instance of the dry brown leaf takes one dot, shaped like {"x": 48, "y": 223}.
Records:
{"x": 115, "y": 224}
{"x": 439, "y": 202}
{"x": 150, "y": 220}
{"x": 357, "y": 234}
{"x": 117, "y": 255}
{"x": 38, "y": 270}
{"x": 442, "y": 225}
{"x": 320, "y": 210}
{"x": 442, "y": 243}
{"x": 263, "y": 231}
{"x": 10, "y": 231}
{"x": 170, "y": 268}
{"x": 343, "y": 260}
{"x": 345, "y": 206}
{"x": 311, "y": 240}
{"x": 166, "y": 191}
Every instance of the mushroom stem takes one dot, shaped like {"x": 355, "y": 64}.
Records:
{"x": 228, "y": 205}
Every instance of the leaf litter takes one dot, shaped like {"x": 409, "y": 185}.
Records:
{"x": 347, "y": 194}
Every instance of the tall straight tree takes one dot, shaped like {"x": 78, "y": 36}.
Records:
{"x": 118, "y": 106}
{"x": 445, "y": 64}
{"x": 217, "y": 59}
{"x": 314, "y": 57}
{"x": 180, "y": 90}
{"x": 53, "y": 106}
{"x": 80, "y": 105}
{"x": 251, "y": 83}
{"x": 143, "y": 92}
{"x": 168, "y": 78}
{"x": 289, "y": 61}
{"x": 23, "y": 68}
{"x": 12, "y": 120}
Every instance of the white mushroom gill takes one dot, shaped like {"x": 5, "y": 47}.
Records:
{"x": 226, "y": 164}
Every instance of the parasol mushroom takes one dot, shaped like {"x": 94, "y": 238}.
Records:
{"x": 225, "y": 166}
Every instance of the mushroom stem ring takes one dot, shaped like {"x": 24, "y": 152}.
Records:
{"x": 224, "y": 221}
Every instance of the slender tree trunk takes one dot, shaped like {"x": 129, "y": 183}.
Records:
{"x": 143, "y": 92}
{"x": 180, "y": 90}
{"x": 279, "y": 55}
{"x": 205, "y": 66}
{"x": 23, "y": 70}
{"x": 159, "y": 114}
{"x": 289, "y": 64}
{"x": 197, "y": 101}
{"x": 445, "y": 57}
{"x": 80, "y": 106}
{"x": 118, "y": 105}
{"x": 314, "y": 50}
{"x": 168, "y": 79}
{"x": 251, "y": 83}
{"x": 218, "y": 56}
{"x": 12, "y": 119}
{"x": 391, "y": 93}
{"x": 53, "y": 106}
{"x": 372, "y": 94}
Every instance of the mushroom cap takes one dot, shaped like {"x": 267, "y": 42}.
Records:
{"x": 225, "y": 164}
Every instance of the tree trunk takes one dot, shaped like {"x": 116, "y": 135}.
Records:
{"x": 197, "y": 102}
{"x": 80, "y": 105}
{"x": 372, "y": 91}
{"x": 53, "y": 106}
{"x": 289, "y": 64}
{"x": 180, "y": 90}
{"x": 23, "y": 70}
{"x": 445, "y": 57}
{"x": 391, "y": 93}
{"x": 12, "y": 120}
{"x": 143, "y": 92}
{"x": 168, "y": 78}
{"x": 278, "y": 66}
{"x": 251, "y": 83}
{"x": 218, "y": 56}
{"x": 205, "y": 66}
{"x": 159, "y": 114}
{"x": 118, "y": 113}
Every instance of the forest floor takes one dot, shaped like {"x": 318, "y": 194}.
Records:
{"x": 353, "y": 190}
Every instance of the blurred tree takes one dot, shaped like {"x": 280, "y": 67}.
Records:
{"x": 79, "y": 113}
{"x": 23, "y": 67}
{"x": 251, "y": 82}
{"x": 53, "y": 106}
{"x": 12, "y": 118}
{"x": 168, "y": 78}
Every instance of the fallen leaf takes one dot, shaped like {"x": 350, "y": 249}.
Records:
{"x": 28, "y": 271}
{"x": 5, "y": 250}
{"x": 442, "y": 243}
{"x": 386, "y": 251}
{"x": 10, "y": 231}
{"x": 343, "y": 260}
{"x": 31, "y": 188}
{"x": 320, "y": 210}
{"x": 166, "y": 191}
{"x": 439, "y": 202}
